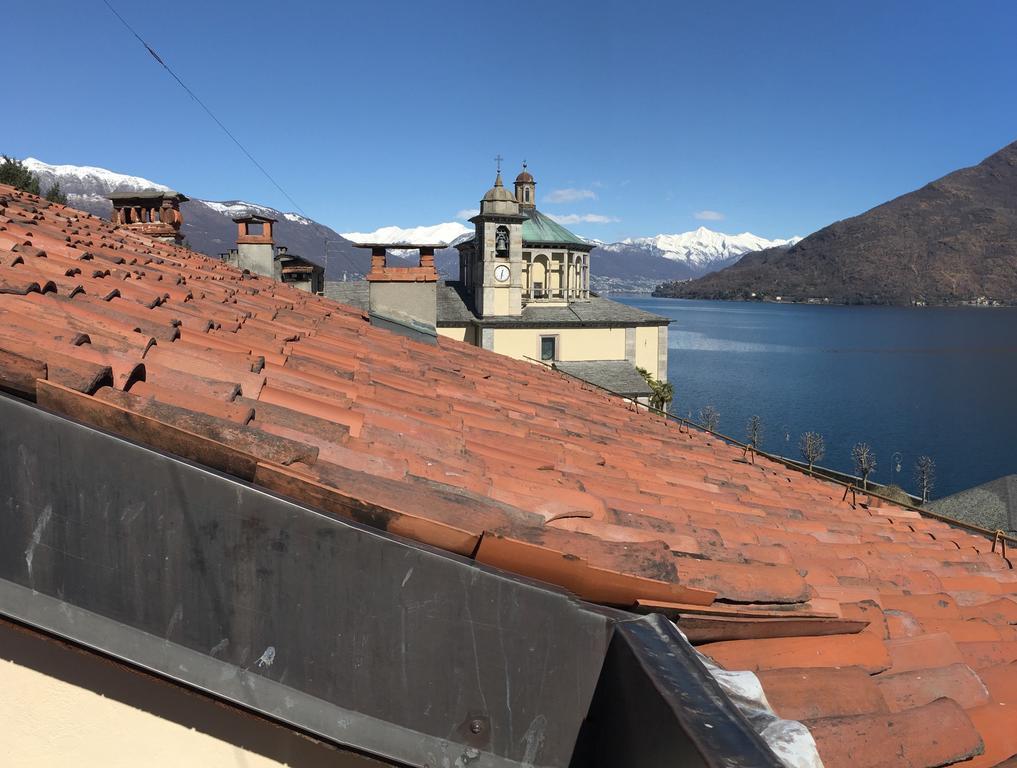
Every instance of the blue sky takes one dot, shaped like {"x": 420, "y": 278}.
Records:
{"x": 772, "y": 117}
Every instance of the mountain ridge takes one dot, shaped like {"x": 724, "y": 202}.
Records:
{"x": 951, "y": 241}
{"x": 208, "y": 224}
{"x": 634, "y": 264}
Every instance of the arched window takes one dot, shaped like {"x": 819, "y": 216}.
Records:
{"x": 538, "y": 278}
{"x": 526, "y": 194}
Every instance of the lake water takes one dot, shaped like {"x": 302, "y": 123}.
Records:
{"x": 941, "y": 382}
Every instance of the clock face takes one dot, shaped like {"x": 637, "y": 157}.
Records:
{"x": 501, "y": 273}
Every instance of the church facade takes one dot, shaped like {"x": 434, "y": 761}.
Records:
{"x": 524, "y": 291}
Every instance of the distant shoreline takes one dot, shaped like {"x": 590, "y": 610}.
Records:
{"x": 833, "y": 303}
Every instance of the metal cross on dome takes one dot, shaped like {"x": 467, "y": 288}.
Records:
{"x": 498, "y": 160}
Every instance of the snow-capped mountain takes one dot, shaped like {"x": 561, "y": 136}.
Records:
{"x": 637, "y": 263}
{"x": 448, "y": 232}
{"x": 208, "y": 224}
{"x": 233, "y": 208}
{"x": 701, "y": 247}
{"x": 634, "y": 264}
{"x": 85, "y": 181}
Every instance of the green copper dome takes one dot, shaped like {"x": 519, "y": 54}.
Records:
{"x": 542, "y": 229}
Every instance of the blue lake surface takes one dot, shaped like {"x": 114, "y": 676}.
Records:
{"x": 941, "y": 382}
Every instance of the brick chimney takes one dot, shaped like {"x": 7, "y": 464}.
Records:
{"x": 404, "y": 294}
{"x": 255, "y": 251}
{"x": 155, "y": 212}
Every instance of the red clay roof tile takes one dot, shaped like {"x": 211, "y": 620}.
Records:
{"x": 904, "y": 690}
{"x": 922, "y": 652}
{"x": 936, "y": 734}
{"x": 863, "y": 649}
{"x": 423, "y": 441}
{"x": 809, "y": 694}
{"x": 995, "y": 724}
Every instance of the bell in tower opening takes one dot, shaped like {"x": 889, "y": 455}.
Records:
{"x": 501, "y": 241}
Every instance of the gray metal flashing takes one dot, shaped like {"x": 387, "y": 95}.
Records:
{"x": 203, "y": 672}
{"x": 407, "y": 327}
{"x": 176, "y": 562}
{"x": 652, "y": 682}
{"x": 343, "y": 631}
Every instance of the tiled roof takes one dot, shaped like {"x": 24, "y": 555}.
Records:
{"x": 890, "y": 635}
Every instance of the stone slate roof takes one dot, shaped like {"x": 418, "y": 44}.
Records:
{"x": 355, "y": 293}
{"x": 596, "y": 311}
{"x": 992, "y": 505}
{"x": 454, "y": 309}
{"x": 146, "y": 194}
{"x": 614, "y": 375}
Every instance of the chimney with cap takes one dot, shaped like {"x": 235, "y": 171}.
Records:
{"x": 255, "y": 251}
{"x": 155, "y": 212}
{"x": 404, "y": 298}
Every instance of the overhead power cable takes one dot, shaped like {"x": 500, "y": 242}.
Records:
{"x": 202, "y": 104}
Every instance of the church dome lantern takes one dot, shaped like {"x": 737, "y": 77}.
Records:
{"x": 526, "y": 193}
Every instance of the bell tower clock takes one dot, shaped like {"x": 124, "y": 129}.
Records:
{"x": 498, "y": 253}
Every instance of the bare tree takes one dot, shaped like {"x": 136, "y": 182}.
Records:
{"x": 753, "y": 434}
{"x": 865, "y": 462}
{"x": 812, "y": 447}
{"x": 709, "y": 417}
{"x": 925, "y": 476}
{"x": 754, "y": 431}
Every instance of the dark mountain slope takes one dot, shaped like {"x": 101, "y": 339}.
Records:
{"x": 952, "y": 241}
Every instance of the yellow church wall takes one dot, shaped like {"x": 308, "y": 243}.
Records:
{"x": 573, "y": 343}
{"x": 459, "y": 334}
{"x": 646, "y": 349}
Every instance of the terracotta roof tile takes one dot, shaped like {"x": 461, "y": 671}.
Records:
{"x": 995, "y": 724}
{"x": 527, "y": 470}
{"x": 809, "y": 694}
{"x": 988, "y": 653}
{"x": 922, "y": 652}
{"x": 936, "y": 734}
{"x": 863, "y": 650}
{"x": 904, "y": 690}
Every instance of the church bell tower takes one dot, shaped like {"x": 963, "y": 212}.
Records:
{"x": 498, "y": 251}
